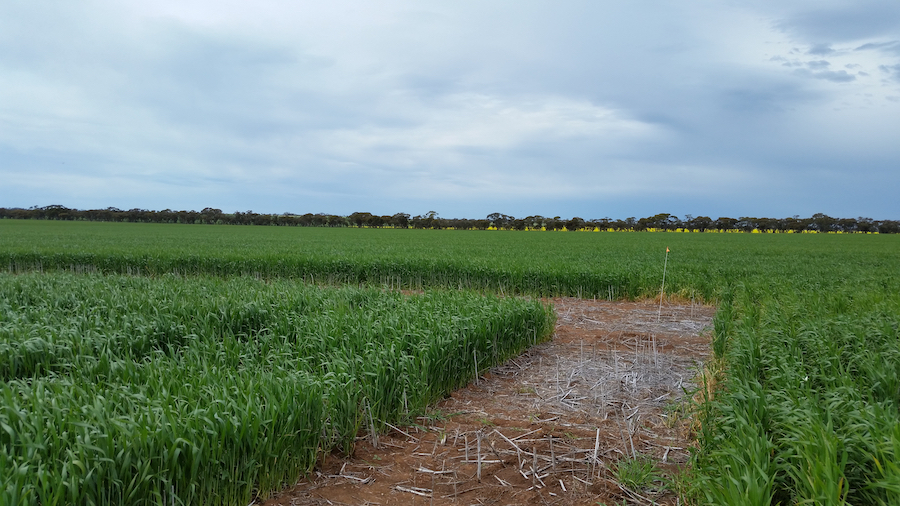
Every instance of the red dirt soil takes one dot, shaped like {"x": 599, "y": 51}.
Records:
{"x": 609, "y": 385}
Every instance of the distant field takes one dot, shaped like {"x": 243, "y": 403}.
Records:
{"x": 587, "y": 264}
{"x": 806, "y": 332}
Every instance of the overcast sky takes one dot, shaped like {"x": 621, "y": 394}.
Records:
{"x": 576, "y": 108}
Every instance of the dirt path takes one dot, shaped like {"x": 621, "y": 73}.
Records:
{"x": 609, "y": 386}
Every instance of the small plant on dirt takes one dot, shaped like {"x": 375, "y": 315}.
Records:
{"x": 680, "y": 408}
{"x": 679, "y": 482}
{"x": 636, "y": 473}
{"x": 433, "y": 416}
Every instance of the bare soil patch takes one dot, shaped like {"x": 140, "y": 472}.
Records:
{"x": 550, "y": 426}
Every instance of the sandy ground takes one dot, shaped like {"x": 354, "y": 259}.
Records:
{"x": 550, "y": 426}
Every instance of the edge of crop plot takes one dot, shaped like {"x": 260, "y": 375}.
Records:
{"x": 211, "y": 391}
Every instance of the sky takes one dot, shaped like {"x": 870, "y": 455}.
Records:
{"x": 587, "y": 108}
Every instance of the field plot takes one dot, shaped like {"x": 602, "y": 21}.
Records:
{"x": 206, "y": 391}
{"x": 599, "y": 412}
{"x": 809, "y": 410}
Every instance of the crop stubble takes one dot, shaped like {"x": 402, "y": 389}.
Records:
{"x": 607, "y": 388}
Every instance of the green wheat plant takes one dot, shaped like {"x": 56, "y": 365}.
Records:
{"x": 129, "y": 390}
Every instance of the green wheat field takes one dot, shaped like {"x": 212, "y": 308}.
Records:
{"x": 191, "y": 364}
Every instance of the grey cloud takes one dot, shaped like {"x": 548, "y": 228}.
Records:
{"x": 785, "y": 62}
{"x": 820, "y": 49}
{"x": 892, "y": 70}
{"x": 889, "y": 47}
{"x": 760, "y": 99}
{"x": 837, "y": 76}
{"x": 851, "y": 21}
{"x": 818, "y": 65}
{"x": 216, "y": 82}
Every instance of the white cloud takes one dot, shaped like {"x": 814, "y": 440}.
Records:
{"x": 467, "y": 121}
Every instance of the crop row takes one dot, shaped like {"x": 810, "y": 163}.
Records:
{"x": 809, "y": 406}
{"x": 121, "y": 389}
{"x": 608, "y": 265}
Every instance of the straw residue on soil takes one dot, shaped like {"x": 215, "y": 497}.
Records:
{"x": 550, "y": 426}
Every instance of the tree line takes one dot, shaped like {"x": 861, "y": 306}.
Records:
{"x": 816, "y": 223}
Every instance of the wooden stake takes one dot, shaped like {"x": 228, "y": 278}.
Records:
{"x": 692, "y": 304}
{"x": 552, "y": 453}
{"x": 467, "y": 447}
{"x": 628, "y": 429}
{"x": 478, "y": 472}
{"x": 558, "y": 387}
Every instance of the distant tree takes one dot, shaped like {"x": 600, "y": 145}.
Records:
{"x": 673, "y": 223}
{"x": 701, "y": 223}
{"x": 746, "y": 224}
{"x": 663, "y": 221}
{"x": 360, "y": 219}
{"x": 337, "y": 221}
{"x": 631, "y": 223}
{"x": 54, "y": 212}
{"x": 480, "y": 224}
{"x": 794, "y": 223}
{"x": 822, "y": 223}
{"x": 847, "y": 225}
{"x": 602, "y": 223}
{"x": 309, "y": 220}
{"x": 888, "y": 227}
{"x": 499, "y": 220}
{"x": 263, "y": 219}
{"x": 554, "y": 223}
{"x": 575, "y": 223}
{"x": 400, "y": 220}
{"x": 210, "y": 215}
{"x": 723, "y": 223}
{"x": 286, "y": 220}
{"x": 429, "y": 220}
{"x": 135, "y": 215}
{"x": 618, "y": 225}
{"x": 865, "y": 224}
{"x": 535, "y": 222}
{"x": 518, "y": 224}
{"x": 766, "y": 224}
